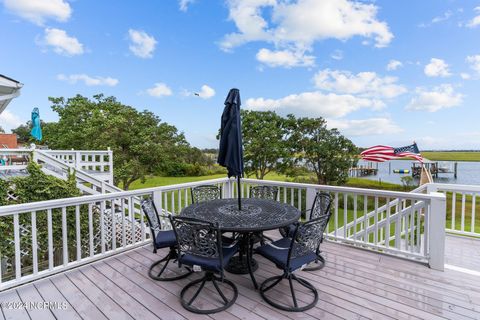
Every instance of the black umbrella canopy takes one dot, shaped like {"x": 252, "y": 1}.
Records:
{"x": 230, "y": 154}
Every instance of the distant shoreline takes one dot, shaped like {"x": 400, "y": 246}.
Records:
{"x": 470, "y": 156}
{"x": 452, "y": 155}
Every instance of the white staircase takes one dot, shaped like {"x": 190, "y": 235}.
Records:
{"x": 87, "y": 182}
{"x": 396, "y": 224}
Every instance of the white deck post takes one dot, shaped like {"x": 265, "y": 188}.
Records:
{"x": 311, "y": 192}
{"x": 436, "y": 227}
{"x": 110, "y": 164}
{"x": 78, "y": 160}
{"x": 228, "y": 189}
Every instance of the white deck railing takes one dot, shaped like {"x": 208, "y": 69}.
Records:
{"x": 47, "y": 237}
{"x": 462, "y": 200}
{"x": 52, "y": 236}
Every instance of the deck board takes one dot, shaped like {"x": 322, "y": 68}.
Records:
{"x": 31, "y": 294}
{"x": 355, "y": 284}
{"x": 85, "y": 308}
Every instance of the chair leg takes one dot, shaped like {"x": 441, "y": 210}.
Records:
{"x": 318, "y": 264}
{"x": 249, "y": 261}
{"x": 209, "y": 276}
{"x": 274, "y": 281}
{"x": 158, "y": 275}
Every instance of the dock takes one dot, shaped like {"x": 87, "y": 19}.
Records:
{"x": 362, "y": 171}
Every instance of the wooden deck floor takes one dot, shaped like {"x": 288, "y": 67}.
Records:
{"x": 355, "y": 284}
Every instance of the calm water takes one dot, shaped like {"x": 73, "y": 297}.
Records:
{"x": 467, "y": 172}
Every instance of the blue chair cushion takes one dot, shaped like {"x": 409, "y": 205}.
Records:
{"x": 211, "y": 264}
{"x": 165, "y": 239}
{"x": 280, "y": 256}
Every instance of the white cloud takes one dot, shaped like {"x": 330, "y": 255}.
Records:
{"x": 337, "y": 55}
{"x": 183, "y": 4}
{"x": 38, "y": 11}
{"x": 365, "y": 127}
{"x": 474, "y": 62}
{"x": 366, "y": 84}
{"x": 446, "y": 15}
{"x": 440, "y": 97}
{"x": 142, "y": 44}
{"x": 476, "y": 20}
{"x": 465, "y": 76}
{"x": 9, "y": 121}
{"x": 299, "y": 24}
{"x": 314, "y": 104}
{"x": 394, "y": 65}
{"x": 159, "y": 90}
{"x": 89, "y": 81}
{"x": 206, "y": 92}
{"x": 284, "y": 58}
{"x": 61, "y": 42}
{"x": 437, "y": 68}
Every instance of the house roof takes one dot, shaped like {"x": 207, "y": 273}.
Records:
{"x": 9, "y": 89}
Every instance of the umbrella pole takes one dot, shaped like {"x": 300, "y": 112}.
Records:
{"x": 239, "y": 194}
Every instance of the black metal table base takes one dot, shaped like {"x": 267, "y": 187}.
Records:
{"x": 239, "y": 265}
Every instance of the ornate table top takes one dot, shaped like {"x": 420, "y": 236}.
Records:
{"x": 256, "y": 214}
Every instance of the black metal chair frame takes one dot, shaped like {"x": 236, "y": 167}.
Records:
{"x": 306, "y": 238}
{"x": 264, "y": 192}
{"x": 155, "y": 228}
{"x": 194, "y": 240}
{"x": 212, "y": 192}
{"x": 316, "y": 212}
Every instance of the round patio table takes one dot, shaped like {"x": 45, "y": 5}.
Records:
{"x": 257, "y": 215}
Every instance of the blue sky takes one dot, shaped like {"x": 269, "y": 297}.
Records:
{"x": 383, "y": 72}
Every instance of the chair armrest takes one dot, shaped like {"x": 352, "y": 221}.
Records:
{"x": 277, "y": 247}
{"x": 233, "y": 244}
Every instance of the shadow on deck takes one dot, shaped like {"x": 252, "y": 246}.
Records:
{"x": 355, "y": 284}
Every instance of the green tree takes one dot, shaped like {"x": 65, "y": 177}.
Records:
{"x": 23, "y": 133}
{"x": 141, "y": 143}
{"x": 264, "y": 146}
{"x": 2, "y": 130}
{"x": 324, "y": 151}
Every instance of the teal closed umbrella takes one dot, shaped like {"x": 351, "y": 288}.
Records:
{"x": 36, "y": 129}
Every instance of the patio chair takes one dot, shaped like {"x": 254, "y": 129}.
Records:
{"x": 320, "y": 208}
{"x": 291, "y": 254}
{"x": 200, "y": 246}
{"x": 162, "y": 239}
{"x": 205, "y": 193}
{"x": 264, "y": 192}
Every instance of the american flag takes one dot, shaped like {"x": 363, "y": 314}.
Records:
{"x": 385, "y": 153}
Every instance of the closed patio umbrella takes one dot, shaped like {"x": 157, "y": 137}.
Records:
{"x": 230, "y": 154}
{"x": 36, "y": 129}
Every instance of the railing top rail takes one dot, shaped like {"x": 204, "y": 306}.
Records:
{"x": 456, "y": 187}
{"x": 23, "y": 150}
{"x": 363, "y": 191}
{"x": 81, "y": 151}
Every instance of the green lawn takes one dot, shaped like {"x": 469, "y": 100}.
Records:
{"x": 156, "y": 181}
{"x": 452, "y": 156}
